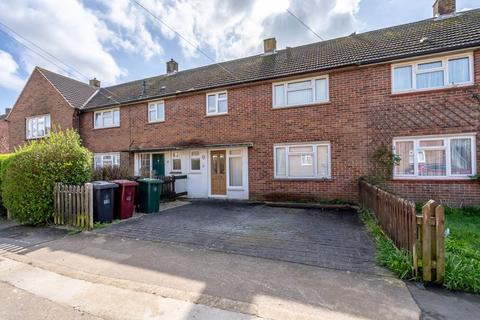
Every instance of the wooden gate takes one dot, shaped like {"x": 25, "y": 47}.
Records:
{"x": 73, "y": 205}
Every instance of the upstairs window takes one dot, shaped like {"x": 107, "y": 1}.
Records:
{"x": 300, "y": 92}
{"x": 106, "y": 160}
{"x": 217, "y": 103}
{"x": 310, "y": 161}
{"x": 107, "y": 118}
{"x": 433, "y": 73}
{"x": 156, "y": 111}
{"x": 435, "y": 157}
{"x": 38, "y": 127}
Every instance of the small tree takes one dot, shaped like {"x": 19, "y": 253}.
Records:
{"x": 30, "y": 175}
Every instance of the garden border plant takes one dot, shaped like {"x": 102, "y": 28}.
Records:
{"x": 31, "y": 173}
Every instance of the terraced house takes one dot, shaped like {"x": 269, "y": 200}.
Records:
{"x": 295, "y": 123}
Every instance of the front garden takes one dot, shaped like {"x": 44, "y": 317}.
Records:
{"x": 462, "y": 250}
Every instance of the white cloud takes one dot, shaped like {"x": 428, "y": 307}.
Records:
{"x": 133, "y": 25}
{"x": 89, "y": 39}
{"x": 232, "y": 29}
{"x": 67, "y": 30}
{"x": 9, "y": 77}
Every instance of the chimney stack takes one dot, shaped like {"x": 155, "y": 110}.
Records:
{"x": 172, "y": 66}
{"x": 95, "y": 83}
{"x": 269, "y": 45}
{"x": 7, "y": 111}
{"x": 444, "y": 7}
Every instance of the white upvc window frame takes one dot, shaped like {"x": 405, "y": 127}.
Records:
{"x": 314, "y": 146}
{"x": 217, "y": 99}
{"x": 153, "y": 106}
{"x": 192, "y": 157}
{"x": 47, "y": 126}
{"x": 234, "y": 153}
{"x": 102, "y": 115}
{"x": 176, "y": 157}
{"x": 445, "y": 65}
{"x": 446, "y": 146}
{"x": 312, "y": 80}
{"x": 115, "y": 158}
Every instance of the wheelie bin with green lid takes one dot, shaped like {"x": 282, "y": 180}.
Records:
{"x": 103, "y": 201}
{"x": 149, "y": 195}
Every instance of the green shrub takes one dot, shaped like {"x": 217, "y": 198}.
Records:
{"x": 108, "y": 173}
{"x": 32, "y": 173}
{"x": 4, "y": 161}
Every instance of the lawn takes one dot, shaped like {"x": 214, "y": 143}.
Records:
{"x": 462, "y": 246}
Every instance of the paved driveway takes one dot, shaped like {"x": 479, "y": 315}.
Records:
{"x": 331, "y": 239}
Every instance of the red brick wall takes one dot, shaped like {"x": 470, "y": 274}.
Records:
{"x": 362, "y": 116}
{"x": 37, "y": 98}
{"x": 453, "y": 193}
{"x": 3, "y": 136}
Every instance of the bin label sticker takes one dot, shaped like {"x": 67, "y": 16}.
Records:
{"x": 106, "y": 200}
{"x": 129, "y": 198}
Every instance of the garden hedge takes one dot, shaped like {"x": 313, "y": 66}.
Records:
{"x": 4, "y": 160}
{"x": 30, "y": 175}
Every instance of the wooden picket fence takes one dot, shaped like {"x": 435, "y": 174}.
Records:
{"x": 73, "y": 205}
{"x": 421, "y": 235}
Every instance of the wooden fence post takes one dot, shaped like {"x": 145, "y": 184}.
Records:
{"x": 427, "y": 240}
{"x": 440, "y": 245}
{"x": 89, "y": 204}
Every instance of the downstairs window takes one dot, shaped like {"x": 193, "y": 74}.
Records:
{"x": 302, "y": 161}
{"x": 435, "y": 157}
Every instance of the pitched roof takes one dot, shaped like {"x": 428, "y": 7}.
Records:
{"x": 446, "y": 33}
{"x": 75, "y": 92}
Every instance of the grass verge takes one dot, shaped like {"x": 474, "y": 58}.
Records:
{"x": 387, "y": 254}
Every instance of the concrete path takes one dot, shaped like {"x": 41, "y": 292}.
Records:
{"x": 20, "y": 304}
{"x": 38, "y": 293}
{"x": 439, "y": 304}
{"x": 257, "y": 287}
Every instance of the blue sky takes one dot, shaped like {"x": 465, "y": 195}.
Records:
{"x": 118, "y": 41}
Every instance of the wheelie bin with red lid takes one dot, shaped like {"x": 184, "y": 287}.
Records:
{"x": 125, "y": 198}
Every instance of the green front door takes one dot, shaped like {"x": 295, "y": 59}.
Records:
{"x": 158, "y": 165}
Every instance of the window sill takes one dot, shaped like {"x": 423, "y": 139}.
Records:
{"x": 175, "y": 172}
{"x": 235, "y": 189}
{"x": 318, "y": 103}
{"x": 155, "y": 122}
{"x": 37, "y": 138}
{"x": 432, "y": 90}
{"x": 303, "y": 179}
{"x": 431, "y": 179}
{"x": 216, "y": 115}
{"x": 111, "y": 127}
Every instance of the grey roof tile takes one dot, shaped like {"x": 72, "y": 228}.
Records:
{"x": 461, "y": 30}
{"x": 75, "y": 92}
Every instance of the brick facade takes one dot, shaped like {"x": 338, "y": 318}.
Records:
{"x": 3, "y": 136}
{"x": 362, "y": 115}
{"x": 37, "y": 98}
